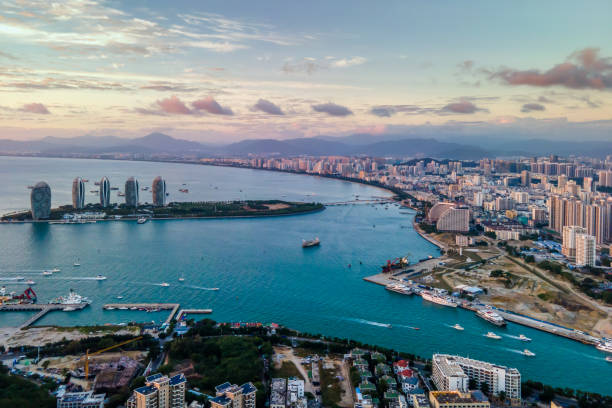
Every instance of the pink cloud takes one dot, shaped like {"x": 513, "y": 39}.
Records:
{"x": 173, "y": 106}
{"x": 209, "y": 105}
{"x": 37, "y": 108}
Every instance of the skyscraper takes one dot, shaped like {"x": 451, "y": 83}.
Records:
{"x": 78, "y": 193}
{"x": 40, "y": 199}
{"x": 570, "y": 235}
{"x": 159, "y": 191}
{"x": 131, "y": 192}
{"x": 104, "y": 192}
{"x": 585, "y": 250}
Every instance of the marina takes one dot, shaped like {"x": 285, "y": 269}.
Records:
{"x": 40, "y": 309}
{"x": 147, "y": 307}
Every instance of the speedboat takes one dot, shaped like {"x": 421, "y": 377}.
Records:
{"x": 110, "y": 308}
{"x": 123, "y": 308}
{"x": 30, "y": 282}
{"x": 527, "y": 353}
{"x": 492, "y": 335}
{"x": 142, "y": 220}
{"x": 76, "y": 262}
{"x": 100, "y": 277}
{"x": 605, "y": 345}
{"x": 181, "y": 279}
{"x": 47, "y": 273}
{"x": 56, "y": 270}
{"x": 119, "y": 297}
{"x": 522, "y": 337}
{"x": 164, "y": 284}
{"x": 609, "y": 359}
{"x": 458, "y": 327}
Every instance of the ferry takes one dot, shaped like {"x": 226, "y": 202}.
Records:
{"x": 164, "y": 284}
{"x": 437, "y": 299}
{"x": 605, "y": 345}
{"x": 527, "y": 353}
{"x": 458, "y": 327}
{"x": 142, "y": 220}
{"x": 399, "y": 288}
{"x": 522, "y": 337}
{"x": 311, "y": 243}
{"x": 72, "y": 299}
{"x": 492, "y": 335}
{"x": 491, "y": 317}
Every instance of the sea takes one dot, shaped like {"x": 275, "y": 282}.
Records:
{"x": 258, "y": 265}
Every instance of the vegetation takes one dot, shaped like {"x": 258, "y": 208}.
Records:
{"x": 331, "y": 391}
{"x": 287, "y": 369}
{"x": 18, "y": 392}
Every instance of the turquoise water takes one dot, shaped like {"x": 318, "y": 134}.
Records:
{"x": 258, "y": 265}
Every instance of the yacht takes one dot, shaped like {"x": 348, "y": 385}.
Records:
{"x": 527, "y": 353}
{"x": 47, "y": 273}
{"x": 522, "y": 337}
{"x": 110, "y": 308}
{"x": 605, "y": 345}
{"x": 72, "y": 299}
{"x": 440, "y": 300}
{"x": 181, "y": 278}
{"x": 100, "y": 277}
{"x": 458, "y": 327}
{"x": 30, "y": 282}
{"x": 491, "y": 317}
{"x": 119, "y": 297}
{"x": 399, "y": 288}
{"x": 164, "y": 284}
{"x": 142, "y": 220}
{"x": 492, "y": 335}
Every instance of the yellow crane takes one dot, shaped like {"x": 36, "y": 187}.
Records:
{"x": 87, "y": 354}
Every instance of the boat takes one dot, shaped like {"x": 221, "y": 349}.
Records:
{"x": 184, "y": 190}
{"x": 100, "y": 277}
{"x": 522, "y": 337}
{"x": 399, "y": 288}
{"x": 19, "y": 278}
{"x": 310, "y": 243}
{"x": 47, "y": 273}
{"x": 492, "y": 335}
{"x": 114, "y": 188}
{"x": 119, "y": 297}
{"x": 142, "y": 220}
{"x": 76, "y": 262}
{"x": 491, "y": 317}
{"x": 609, "y": 359}
{"x": 605, "y": 345}
{"x": 68, "y": 309}
{"x": 123, "y": 308}
{"x": 164, "y": 284}
{"x": 72, "y": 299}
{"x": 458, "y": 327}
{"x": 30, "y": 282}
{"x": 437, "y": 299}
{"x": 181, "y": 278}
{"x": 110, "y": 308}
{"x": 527, "y": 353}
{"x": 120, "y": 194}
{"x": 55, "y": 270}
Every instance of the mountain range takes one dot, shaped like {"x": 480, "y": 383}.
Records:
{"x": 357, "y": 144}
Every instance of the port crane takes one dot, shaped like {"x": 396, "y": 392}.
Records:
{"x": 88, "y": 354}
{"x": 28, "y": 296}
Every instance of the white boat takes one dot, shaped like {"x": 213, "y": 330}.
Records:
{"x": 100, "y": 278}
{"x": 142, "y": 220}
{"x": 437, "y": 299}
{"x": 310, "y": 243}
{"x": 527, "y": 353}
{"x": 181, "y": 278}
{"x": 605, "y": 345}
{"x": 492, "y": 335}
{"x": 119, "y": 297}
{"x": 30, "y": 282}
{"x": 68, "y": 309}
{"x": 72, "y": 299}
{"x": 491, "y": 317}
{"x": 56, "y": 270}
{"x": 522, "y": 337}
{"x": 123, "y": 308}
{"x": 110, "y": 308}
{"x": 47, "y": 273}
{"x": 458, "y": 327}
{"x": 76, "y": 262}
{"x": 399, "y": 288}
{"x": 609, "y": 359}
{"x": 164, "y": 284}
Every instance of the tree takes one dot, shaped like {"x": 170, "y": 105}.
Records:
{"x": 484, "y": 387}
{"x": 472, "y": 384}
{"x": 547, "y": 394}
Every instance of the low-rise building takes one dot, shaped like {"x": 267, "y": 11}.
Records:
{"x": 80, "y": 400}
{"x": 457, "y": 399}
{"x": 278, "y": 393}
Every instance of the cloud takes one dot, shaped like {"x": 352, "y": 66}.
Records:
{"x": 463, "y": 107}
{"x": 37, "y": 108}
{"x": 209, "y": 105}
{"x": 173, "y": 106}
{"x": 7, "y": 56}
{"x": 583, "y": 69}
{"x": 385, "y": 111}
{"x": 332, "y": 109}
{"x": 306, "y": 66}
{"x": 530, "y": 107}
{"x": 348, "y": 62}
{"x": 168, "y": 87}
{"x": 267, "y": 107}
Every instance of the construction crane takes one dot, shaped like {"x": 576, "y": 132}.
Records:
{"x": 87, "y": 354}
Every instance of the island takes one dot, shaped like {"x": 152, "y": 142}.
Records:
{"x": 173, "y": 210}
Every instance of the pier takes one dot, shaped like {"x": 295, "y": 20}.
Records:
{"x": 173, "y": 307}
{"x": 185, "y": 312}
{"x": 42, "y": 310}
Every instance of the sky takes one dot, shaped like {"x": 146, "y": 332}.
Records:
{"x": 222, "y": 71}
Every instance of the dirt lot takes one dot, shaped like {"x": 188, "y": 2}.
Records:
{"x": 39, "y": 336}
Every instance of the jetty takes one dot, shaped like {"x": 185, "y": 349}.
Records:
{"x": 149, "y": 307}
{"x": 41, "y": 309}
{"x": 184, "y": 312}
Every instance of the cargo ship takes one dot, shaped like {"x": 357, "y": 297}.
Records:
{"x": 437, "y": 299}
{"x": 491, "y": 317}
{"x": 399, "y": 288}
{"x": 310, "y": 243}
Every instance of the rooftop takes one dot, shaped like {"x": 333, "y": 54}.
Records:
{"x": 456, "y": 397}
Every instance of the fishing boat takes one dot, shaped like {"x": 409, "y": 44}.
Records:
{"x": 522, "y": 337}
{"x": 310, "y": 243}
{"x": 458, "y": 327}
{"x": 527, "y": 353}
{"x": 492, "y": 335}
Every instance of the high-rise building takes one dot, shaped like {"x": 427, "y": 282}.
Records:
{"x": 78, "y": 193}
{"x": 570, "y": 232}
{"x": 525, "y": 178}
{"x": 105, "y": 192}
{"x": 446, "y": 376}
{"x": 159, "y": 191}
{"x": 159, "y": 392}
{"x": 234, "y": 396}
{"x": 454, "y": 220}
{"x": 585, "y": 250}
{"x": 40, "y": 200}
{"x": 131, "y": 192}
{"x": 86, "y": 399}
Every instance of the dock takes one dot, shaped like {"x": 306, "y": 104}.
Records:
{"x": 42, "y": 309}
{"x": 185, "y": 312}
{"x": 173, "y": 307}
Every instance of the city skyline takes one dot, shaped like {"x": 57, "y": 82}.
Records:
{"x": 224, "y": 72}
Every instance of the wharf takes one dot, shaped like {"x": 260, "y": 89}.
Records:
{"x": 42, "y": 309}
{"x": 173, "y": 307}
{"x": 185, "y": 312}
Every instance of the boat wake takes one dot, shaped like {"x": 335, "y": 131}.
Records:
{"x": 511, "y": 336}
{"x": 200, "y": 287}
{"x": 406, "y": 326}
{"x": 369, "y": 322}
{"x": 513, "y": 350}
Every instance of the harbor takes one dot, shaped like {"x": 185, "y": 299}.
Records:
{"x": 41, "y": 309}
